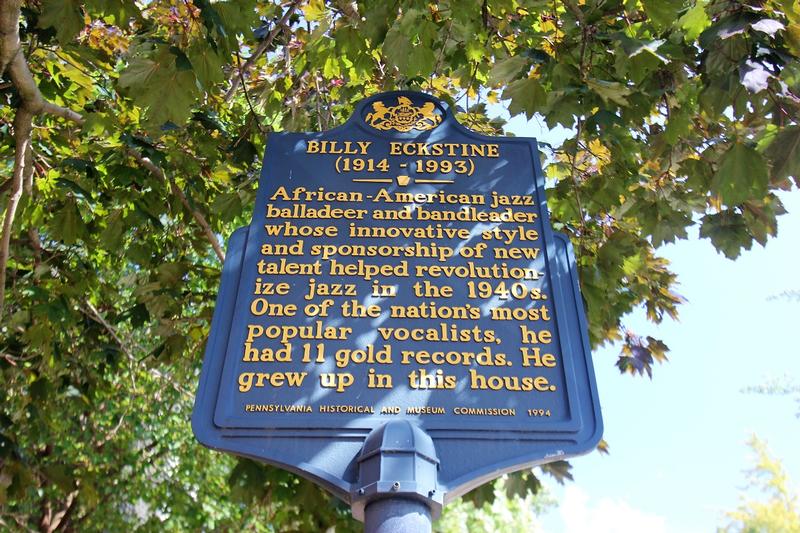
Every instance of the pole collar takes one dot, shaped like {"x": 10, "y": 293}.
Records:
{"x": 397, "y": 460}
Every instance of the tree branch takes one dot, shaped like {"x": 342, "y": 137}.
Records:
{"x": 9, "y": 32}
{"x": 262, "y": 47}
{"x": 58, "y": 517}
{"x": 32, "y": 104}
{"x": 23, "y": 126}
{"x": 576, "y": 186}
{"x": 575, "y": 11}
{"x": 247, "y": 95}
{"x": 156, "y": 171}
{"x": 58, "y": 111}
{"x": 124, "y": 345}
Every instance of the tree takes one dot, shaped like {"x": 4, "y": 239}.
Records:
{"x": 131, "y": 136}
{"x": 784, "y": 385}
{"x": 509, "y": 510}
{"x": 778, "y": 386}
{"x": 781, "y": 512}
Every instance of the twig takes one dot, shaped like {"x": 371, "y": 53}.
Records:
{"x": 12, "y": 360}
{"x": 246, "y": 94}
{"x": 20, "y": 521}
{"x": 95, "y": 315}
{"x": 349, "y": 9}
{"x": 67, "y": 114}
{"x": 259, "y": 51}
{"x": 575, "y": 11}
{"x": 111, "y": 434}
{"x": 317, "y": 103}
{"x": 575, "y": 186}
{"x": 157, "y": 171}
{"x": 582, "y": 70}
{"x": 441, "y": 52}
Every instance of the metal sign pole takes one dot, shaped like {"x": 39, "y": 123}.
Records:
{"x": 397, "y": 515}
{"x": 397, "y": 488}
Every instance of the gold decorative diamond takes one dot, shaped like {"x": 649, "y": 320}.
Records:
{"x": 403, "y": 117}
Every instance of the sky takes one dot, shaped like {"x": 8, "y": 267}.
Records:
{"x": 679, "y": 442}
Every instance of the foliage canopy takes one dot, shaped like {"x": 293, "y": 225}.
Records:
{"x": 779, "y": 512}
{"x": 131, "y": 136}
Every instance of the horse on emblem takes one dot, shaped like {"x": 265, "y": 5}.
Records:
{"x": 403, "y": 117}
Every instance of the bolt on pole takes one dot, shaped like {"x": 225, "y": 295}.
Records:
{"x": 397, "y": 489}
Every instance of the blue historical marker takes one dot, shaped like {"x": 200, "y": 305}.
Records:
{"x": 399, "y": 318}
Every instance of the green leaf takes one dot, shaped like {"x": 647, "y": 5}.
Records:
{"x": 66, "y": 16}
{"x": 169, "y": 274}
{"x": 698, "y": 173}
{"x": 560, "y": 470}
{"x": 713, "y": 100}
{"x": 244, "y": 152}
{"x": 68, "y": 224}
{"x": 227, "y": 206}
{"x": 61, "y": 476}
{"x": 207, "y": 64}
{"x": 332, "y": 67}
{"x": 668, "y": 224}
{"x": 728, "y": 233}
{"x": 609, "y": 91}
{"x": 662, "y": 12}
{"x": 634, "y": 47}
{"x": 754, "y": 76}
{"x": 695, "y": 20}
{"x": 784, "y": 154}
{"x": 562, "y": 108}
{"x": 120, "y": 11}
{"x": 237, "y": 17}
{"x": 761, "y": 218}
{"x": 111, "y": 237}
{"x": 156, "y": 83}
{"x": 482, "y": 495}
{"x": 506, "y": 70}
{"x": 638, "y": 60}
{"x": 379, "y": 15}
{"x": 475, "y": 49}
{"x": 680, "y": 120}
{"x": 97, "y": 124}
{"x": 768, "y": 26}
{"x": 741, "y": 175}
{"x": 521, "y": 484}
{"x": 402, "y": 49}
{"x": 314, "y": 10}
{"x": 349, "y": 41}
{"x": 792, "y": 38}
{"x": 725, "y": 28}
{"x": 527, "y": 96}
